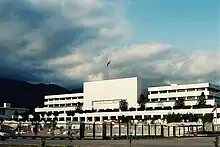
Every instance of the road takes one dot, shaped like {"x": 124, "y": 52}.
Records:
{"x": 177, "y": 142}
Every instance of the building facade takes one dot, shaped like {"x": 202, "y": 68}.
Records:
{"x": 103, "y": 98}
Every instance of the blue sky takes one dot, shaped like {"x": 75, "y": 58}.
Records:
{"x": 186, "y": 24}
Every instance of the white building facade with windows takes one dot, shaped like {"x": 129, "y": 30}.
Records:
{"x": 101, "y": 95}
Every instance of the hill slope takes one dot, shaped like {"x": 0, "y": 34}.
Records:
{"x": 24, "y": 94}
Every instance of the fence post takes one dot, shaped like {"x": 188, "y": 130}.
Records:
{"x": 155, "y": 129}
{"x": 149, "y": 129}
{"x": 119, "y": 131}
{"x": 184, "y": 130}
{"x": 93, "y": 132}
{"x": 128, "y": 129}
{"x": 168, "y": 131}
{"x": 111, "y": 130}
{"x": 162, "y": 131}
{"x": 135, "y": 129}
{"x": 82, "y": 130}
{"x": 104, "y": 131}
{"x": 174, "y": 131}
{"x": 142, "y": 129}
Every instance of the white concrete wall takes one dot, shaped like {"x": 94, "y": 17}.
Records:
{"x": 151, "y": 113}
{"x": 63, "y": 95}
{"x": 108, "y": 93}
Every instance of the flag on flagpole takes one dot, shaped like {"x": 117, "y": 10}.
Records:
{"x": 109, "y": 62}
{"x": 214, "y": 108}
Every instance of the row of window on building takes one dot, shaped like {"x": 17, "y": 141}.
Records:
{"x": 189, "y": 98}
{"x": 184, "y": 90}
{"x": 63, "y": 105}
{"x": 63, "y": 98}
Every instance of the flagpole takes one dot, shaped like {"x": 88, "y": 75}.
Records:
{"x": 109, "y": 68}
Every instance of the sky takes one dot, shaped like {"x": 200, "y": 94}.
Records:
{"x": 67, "y": 42}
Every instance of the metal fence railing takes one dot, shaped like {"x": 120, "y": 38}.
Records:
{"x": 102, "y": 131}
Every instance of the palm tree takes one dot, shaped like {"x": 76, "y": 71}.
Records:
{"x": 179, "y": 103}
{"x": 123, "y": 105}
{"x": 15, "y": 115}
{"x": 142, "y": 101}
{"x": 201, "y": 101}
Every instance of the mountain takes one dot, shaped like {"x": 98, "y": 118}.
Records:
{"x": 26, "y": 95}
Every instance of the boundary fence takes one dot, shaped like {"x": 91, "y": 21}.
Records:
{"x": 107, "y": 131}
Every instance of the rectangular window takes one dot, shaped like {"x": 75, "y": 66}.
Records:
{"x": 61, "y": 119}
{"x": 172, "y": 91}
{"x": 97, "y": 118}
{"x": 105, "y": 118}
{"x": 181, "y": 90}
{"x": 190, "y": 90}
{"x": 89, "y": 118}
{"x": 191, "y": 98}
{"x": 163, "y": 99}
{"x": 200, "y": 89}
{"x": 68, "y": 118}
{"x": 75, "y": 118}
{"x": 82, "y": 118}
{"x": 154, "y": 92}
{"x": 163, "y": 91}
{"x": 172, "y": 99}
{"x": 154, "y": 100}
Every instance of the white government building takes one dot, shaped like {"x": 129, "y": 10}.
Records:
{"x": 107, "y": 94}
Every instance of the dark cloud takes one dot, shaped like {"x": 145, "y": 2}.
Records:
{"x": 33, "y": 32}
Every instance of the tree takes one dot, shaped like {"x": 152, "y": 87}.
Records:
{"x": 174, "y": 118}
{"x": 78, "y": 108}
{"x": 15, "y": 116}
{"x": 179, "y": 103}
{"x": 201, "y": 101}
{"x": 142, "y": 101}
{"x": 25, "y": 116}
{"x": 123, "y": 105}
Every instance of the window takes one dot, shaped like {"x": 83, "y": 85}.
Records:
{"x": 82, "y": 118}
{"x": 172, "y": 91}
{"x": 154, "y": 92}
{"x": 181, "y": 90}
{"x": 62, "y": 98}
{"x": 154, "y": 100}
{"x": 113, "y": 117}
{"x": 97, "y": 118}
{"x": 190, "y": 90}
{"x": 61, "y": 119}
{"x": 163, "y": 91}
{"x": 191, "y": 98}
{"x": 89, "y": 118}
{"x": 68, "y": 118}
{"x": 163, "y": 99}
{"x": 80, "y": 97}
{"x": 68, "y": 98}
{"x": 68, "y": 105}
{"x": 62, "y": 105}
{"x": 200, "y": 89}
{"x": 105, "y": 117}
{"x": 75, "y": 118}
{"x": 172, "y": 99}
